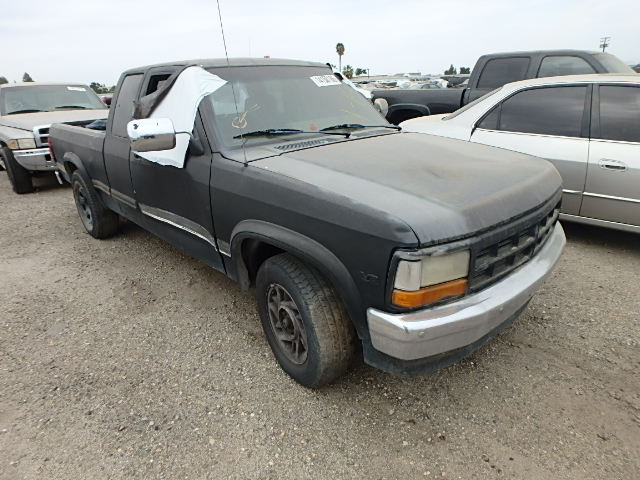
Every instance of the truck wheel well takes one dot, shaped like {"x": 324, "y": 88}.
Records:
{"x": 70, "y": 168}
{"x": 400, "y": 116}
{"x": 254, "y": 254}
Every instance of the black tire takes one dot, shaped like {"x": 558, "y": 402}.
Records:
{"x": 321, "y": 316}
{"x": 19, "y": 177}
{"x": 98, "y": 221}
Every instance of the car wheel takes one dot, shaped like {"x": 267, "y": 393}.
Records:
{"x": 305, "y": 322}
{"x": 98, "y": 221}
{"x": 19, "y": 177}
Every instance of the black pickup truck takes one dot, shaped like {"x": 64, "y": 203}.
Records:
{"x": 493, "y": 71}
{"x": 417, "y": 249}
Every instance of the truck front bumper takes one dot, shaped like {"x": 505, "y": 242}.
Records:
{"x": 435, "y": 331}
{"x": 35, "y": 159}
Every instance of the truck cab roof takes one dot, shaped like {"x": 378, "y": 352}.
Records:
{"x": 232, "y": 62}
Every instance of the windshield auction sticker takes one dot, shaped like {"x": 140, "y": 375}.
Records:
{"x": 325, "y": 80}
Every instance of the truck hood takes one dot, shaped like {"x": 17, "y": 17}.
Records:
{"x": 27, "y": 121}
{"x": 443, "y": 189}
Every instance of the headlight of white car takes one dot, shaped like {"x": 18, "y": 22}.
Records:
{"x": 21, "y": 143}
{"x": 431, "y": 278}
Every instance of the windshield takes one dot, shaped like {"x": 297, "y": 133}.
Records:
{"x": 284, "y": 97}
{"x": 47, "y": 98}
{"x": 613, "y": 64}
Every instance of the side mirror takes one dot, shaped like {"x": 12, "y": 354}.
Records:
{"x": 151, "y": 134}
{"x": 382, "y": 106}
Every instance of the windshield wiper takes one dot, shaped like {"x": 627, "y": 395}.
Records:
{"x": 28, "y": 110}
{"x": 358, "y": 125}
{"x": 286, "y": 131}
{"x": 71, "y": 106}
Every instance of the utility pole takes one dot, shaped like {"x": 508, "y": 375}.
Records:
{"x": 604, "y": 42}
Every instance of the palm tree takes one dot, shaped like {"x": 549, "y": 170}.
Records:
{"x": 340, "y": 50}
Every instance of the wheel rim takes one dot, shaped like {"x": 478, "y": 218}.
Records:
{"x": 83, "y": 208}
{"x": 286, "y": 324}
{"x": 3, "y": 165}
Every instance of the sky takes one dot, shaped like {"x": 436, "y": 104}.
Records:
{"x": 85, "y": 41}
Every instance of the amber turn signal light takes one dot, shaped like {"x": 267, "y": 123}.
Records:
{"x": 429, "y": 294}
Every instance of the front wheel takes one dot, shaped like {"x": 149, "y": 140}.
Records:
{"x": 98, "y": 221}
{"x": 19, "y": 176}
{"x": 306, "y": 324}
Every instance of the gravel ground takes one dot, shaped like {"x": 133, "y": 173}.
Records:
{"x": 124, "y": 358}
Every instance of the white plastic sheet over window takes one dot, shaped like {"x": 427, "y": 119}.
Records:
{"x": 181, "y": 105}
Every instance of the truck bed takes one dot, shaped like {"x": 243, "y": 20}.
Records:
{"x": 84, "y": 143}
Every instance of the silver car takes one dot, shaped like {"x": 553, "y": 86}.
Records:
{"x": 588, "y": 126}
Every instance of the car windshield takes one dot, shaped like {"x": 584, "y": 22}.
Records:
{"x": 262, "y": 98}
{"x": 48, "y": 98}
{"x": 613, "y": 64}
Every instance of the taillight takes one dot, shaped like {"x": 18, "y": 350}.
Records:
{"x": 50, "y": 143}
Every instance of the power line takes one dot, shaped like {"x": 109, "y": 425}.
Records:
{"x": 604, "y": 42}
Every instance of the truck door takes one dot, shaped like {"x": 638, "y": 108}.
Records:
{"x": 175, "y": 201}
{"x": 116, "y": 143}
{"x": 612, "y": 190}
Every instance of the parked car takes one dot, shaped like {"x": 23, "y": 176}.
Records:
{"x": 26, "y": 112}
{"x": 493, "y": 71}
{"x": 588, "y": 126}
{"x": 416, "y": 247}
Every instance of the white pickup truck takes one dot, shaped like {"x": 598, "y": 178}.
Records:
{"x": 26, "y": 112}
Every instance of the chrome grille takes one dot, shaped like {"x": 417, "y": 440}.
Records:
{"x": 492, "y": 262}
{"x": 41, "y": 135}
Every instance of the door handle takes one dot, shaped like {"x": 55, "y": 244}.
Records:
{"x": 616, "y": 165}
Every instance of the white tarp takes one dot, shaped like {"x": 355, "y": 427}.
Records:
{"x": 181, "y": 105}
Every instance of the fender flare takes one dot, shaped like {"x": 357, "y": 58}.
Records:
{"x": 72, "y": 158}
{"x": 309, "y": 251}
{"x": 423, "y": 109}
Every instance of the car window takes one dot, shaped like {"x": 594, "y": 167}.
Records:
{"x": 620, "y": 113}
{"x": 613, "y": 64}
{"x": 123, "y": 112}
{"x": 564, "y": 65}
{"x": 470, "y": 105}
{"x": 499, "y": 71}
{"x": 550, "y": 111}
{"x": 490, "y": 121}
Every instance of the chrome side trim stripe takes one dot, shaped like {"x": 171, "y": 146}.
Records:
{"x": 600, "y": 223}
{"x": 179, "y": 222}
{"x": 571, "y": 192}
{"x": 224, "y": 248}
{"x": 127, "y": 200}
{"x": 611, "y": 197}
{"x": 101, "y": 186}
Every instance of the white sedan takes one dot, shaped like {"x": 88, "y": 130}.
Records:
{"x": 588, "y": 126}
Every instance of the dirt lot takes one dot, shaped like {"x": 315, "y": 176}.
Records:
{"x": 124, "y": 358}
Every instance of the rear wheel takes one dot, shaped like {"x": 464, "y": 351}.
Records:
{"x": 19, "y": 176}
{"x": 98, "y": 221}
{"x": 305, "y": 322}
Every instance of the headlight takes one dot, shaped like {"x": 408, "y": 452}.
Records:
{"x": 21, "y": 143}
{"x": 431, "y": 278}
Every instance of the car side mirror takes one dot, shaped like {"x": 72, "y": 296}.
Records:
{"x": 382, "y": 106}
{"x": 151, "y": 134}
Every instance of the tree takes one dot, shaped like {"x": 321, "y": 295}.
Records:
{"x": 451, "y": 70}
{"x": 465, "y": 70}
{"x": 3, "y": 80}
{"x": 361, "y": 71}
{"x": 348, "y": 71}
{"x": 26, "y": 77}
{"x": 340, "y": 52}
{"x": 99, "y": 87}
